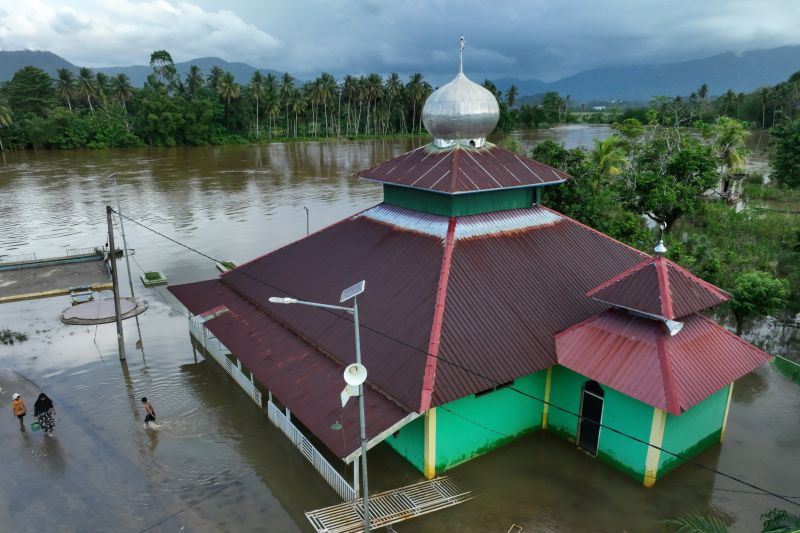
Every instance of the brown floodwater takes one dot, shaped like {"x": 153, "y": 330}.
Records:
{"x": 216, "y": 463}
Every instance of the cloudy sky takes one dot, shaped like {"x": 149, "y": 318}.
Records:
{"x": 545, "y": 39}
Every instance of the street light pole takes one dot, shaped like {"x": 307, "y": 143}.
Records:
{"x": 350, "y": 292}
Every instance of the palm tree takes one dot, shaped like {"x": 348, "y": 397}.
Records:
{"x": 86, "y": 86}
{"x": 415, "y": 91}
{"x": 374, "y": 90}
{"x": 66, "y": 86}
{"x": 729, "y": 97}
{"x": 298, "y": 104}
{"x": 511, "y": 95}
{"x": 392, "y": 89}
{"x": 194, "y": 80}
{"x": 328, "y": 89}
{"x": 228, "y": 89}
{"x": 256, "y": 88}
{"x": 287, "y": 91}
{"x": 5, "y": 120}
{"x": 608, "y": 157}
{"x": 214, "y": 78}
{"x": 121, "y": 89}
{"x": 702, "y": 93}
{"x": 350, "y": 89}
{"x": 101, "y": 83}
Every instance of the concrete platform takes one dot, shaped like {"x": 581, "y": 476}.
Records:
{"x": 51, "y": 280}
{"x": 101, "y": 311}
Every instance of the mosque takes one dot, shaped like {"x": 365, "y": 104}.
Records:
{"x": 486, "y": 316}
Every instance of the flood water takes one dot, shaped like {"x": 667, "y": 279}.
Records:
{"x": 216, "y": 463}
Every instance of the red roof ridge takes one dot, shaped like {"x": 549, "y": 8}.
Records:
{"x": 733, "y": 335}
{"x": 665, "y": 363}
{"x": 582, "y": 323}
{"x": 584, "y": 226}
{"x": 429, "y": 377}
{"x": 618, "y": 277}
{"x": 721, "y": 293}
{"x": 664, "y": 293}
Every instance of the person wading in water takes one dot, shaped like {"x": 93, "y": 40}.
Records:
{"x": 150, "y": 413}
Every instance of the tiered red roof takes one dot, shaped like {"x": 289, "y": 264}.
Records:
{"x": 660, "y": 288}
{"x": 462, "y": 170}
{"x": 639, "y": 357}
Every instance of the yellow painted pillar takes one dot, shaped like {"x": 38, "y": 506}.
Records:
{"x": 546, "y": 408}
{"x": 725, "y": 416}
{"x": 430, "y": 444}
{"x": 656, "y": 439}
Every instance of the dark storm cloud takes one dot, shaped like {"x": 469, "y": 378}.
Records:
{"x": 524, "y": 38}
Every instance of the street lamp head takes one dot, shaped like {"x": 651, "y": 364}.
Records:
{"x": 279, "y": 300}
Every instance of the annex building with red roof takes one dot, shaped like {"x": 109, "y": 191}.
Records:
{"x": 486, "y": 316}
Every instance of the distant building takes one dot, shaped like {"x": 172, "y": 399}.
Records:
{"x": 598, "y": 108}
{"x": 486, "y": 316}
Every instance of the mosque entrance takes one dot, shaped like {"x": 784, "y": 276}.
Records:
{"x": 591, "y": 416}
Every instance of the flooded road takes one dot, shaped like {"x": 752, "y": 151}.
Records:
{"x": 216, "y": 463}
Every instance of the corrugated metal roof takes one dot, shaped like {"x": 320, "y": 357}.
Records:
{"x": 458, "y": 169}
{"x": 638, "y": 357}
{"x": 299, "y": 375}
{"x": 661, "y": 288}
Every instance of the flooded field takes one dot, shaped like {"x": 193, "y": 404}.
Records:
{"x": 216, "y": 463}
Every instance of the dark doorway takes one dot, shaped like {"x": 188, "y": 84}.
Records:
{"x": 592, "y": 413}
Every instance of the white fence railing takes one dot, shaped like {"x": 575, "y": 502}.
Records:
{"x": 219, "y": 352}
{"x": 17, "y": 258}
{"x": 334, "y": 479}
{"x": 82, "y": 251}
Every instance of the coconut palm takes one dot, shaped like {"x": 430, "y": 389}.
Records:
{"x": 608, "y": 157}
{"x": 299, "y": 104}
{"x": 5, "y": 120}
{"x": 728, "y": 98}
{"x": 101, "y": 84}
{"x": 228, "y": 90}
{"x": 86, "y": 86}
{"x": 702, "y": 92}
{"x": 511, "y": 95}
{"x": 194, "y": 81}
{"x": 256, "y": 89}
{"x": 121, "y": 89}
{"x": 392, "y": 89}
{"x": 286, "y": 92}
{"x": 416, "y": 93}
{"x": 350, "y": 90}
{"x": 65, "y": 86}
{"x": 214, "y": 78}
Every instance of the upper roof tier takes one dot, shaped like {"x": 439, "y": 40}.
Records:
{"x": 659, "y": 288}
{"x": 457, "y": 170}
{"x": 460, "y": 112}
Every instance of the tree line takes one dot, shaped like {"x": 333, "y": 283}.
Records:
{"x": 96, "y": 110}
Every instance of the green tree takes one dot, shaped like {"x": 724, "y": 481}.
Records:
{"x": 164, "y": 69}
{"x": 757, "y": 294}
{"x": 86, "y": 86}
{"x": 228, "y": 90}
{"x": 194, "y": 81}
{"x": 552, "y": 104}
{"x": 393, "y": 88}
{"x": 415, "y": 88}
{"x": 214, "y": 77}
{"x": 65, "y": 86}
{"x": 702, "y": 92}
{"x": 120, "y": 87}
{"x": 608, "y": 157}
{"x": 511, "y": 95}
{"x": 30, "y": 90}
{"x": 286, "y": 92}
{"x": 779, "y": 521}
{"x": 256, "y": 89}
{"x": 6, "y": 120}
{"x": 785, "y": 153}
{"x": 102, "y": 87}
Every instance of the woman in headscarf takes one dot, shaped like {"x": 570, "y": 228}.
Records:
{"x": 44, "y": 412}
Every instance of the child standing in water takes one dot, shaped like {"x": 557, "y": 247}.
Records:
{"x": 18, "y": 406}
{"x": 150, "y": 413}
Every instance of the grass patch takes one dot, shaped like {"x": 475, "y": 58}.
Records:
{"x": 9, "y": 337}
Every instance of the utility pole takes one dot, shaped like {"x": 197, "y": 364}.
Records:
{"x": 115, "y": 282}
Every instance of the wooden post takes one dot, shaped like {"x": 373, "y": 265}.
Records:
{"x": 113, "y": 262}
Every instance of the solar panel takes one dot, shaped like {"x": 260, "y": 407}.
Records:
{"x": 353, "y": 291}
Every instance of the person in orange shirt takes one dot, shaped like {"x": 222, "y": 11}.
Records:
{"x": 18, "y": 406}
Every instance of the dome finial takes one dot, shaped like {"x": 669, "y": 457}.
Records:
{"x": 660, "y": 249}
{"x": 462, "y": 44}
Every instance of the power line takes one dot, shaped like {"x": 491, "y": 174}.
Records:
{"x": 478, "y": 374}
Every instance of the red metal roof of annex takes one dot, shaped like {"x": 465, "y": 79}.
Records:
{"x": 638, "y": 357}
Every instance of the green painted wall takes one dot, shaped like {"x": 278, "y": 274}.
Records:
{"x": 619, "y": 411}
{"x": 409, "y": 442}
{"x": 503, "y": 415}
{"x": 632, "y": 417}
{"x": 565, "y": 391}
{"x": 458, "y": 204}
{"x": 694, "y": 431}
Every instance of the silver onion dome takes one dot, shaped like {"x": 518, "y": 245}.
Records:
{"x": 460, "y": 112}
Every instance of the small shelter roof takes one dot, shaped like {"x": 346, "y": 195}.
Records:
{"x": 638, "y": 357}
{"x": 660, "y": 288}
{"x": 458, "y": 169}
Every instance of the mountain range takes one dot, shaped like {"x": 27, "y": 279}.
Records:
{"x": 741, "y": 72}
{"x": 12, "y": 61}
